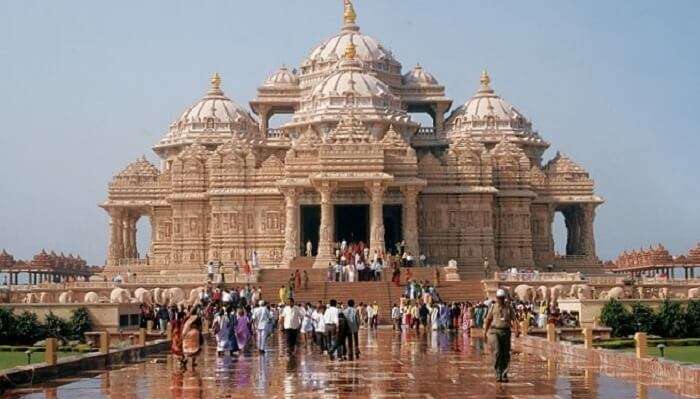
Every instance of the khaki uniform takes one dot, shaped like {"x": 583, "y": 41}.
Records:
{"x": 502, "y": 317}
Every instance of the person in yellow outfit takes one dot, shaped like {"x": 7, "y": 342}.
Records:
{"x": 283, "y": 294}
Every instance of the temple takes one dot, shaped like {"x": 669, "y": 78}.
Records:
{"x": 351, "y": 164}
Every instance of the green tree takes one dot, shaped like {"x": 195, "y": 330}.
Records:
{"x": 643, "y": 318}
{"x": 616, "y": 316}
{"x": 55, "y": 326}
{"x": 7, "y": 325}
{"x": 27, "y": 328}
{"x": 79, "y": 324}
{"x": 692, "y": 317}
{"x": 671, "y": 321}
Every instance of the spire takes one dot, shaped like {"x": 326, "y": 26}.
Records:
{"x": 349, "y": 15}
{"x": 485, "y": 82}
{"x": 215, "y": 85}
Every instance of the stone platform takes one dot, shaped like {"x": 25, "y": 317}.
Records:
{"x": 437, "y": 365}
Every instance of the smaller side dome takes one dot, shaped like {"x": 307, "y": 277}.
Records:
{"x": 419, "y": 77}
{"x": 283, "y": 77}
{"x": 210, "y": 121}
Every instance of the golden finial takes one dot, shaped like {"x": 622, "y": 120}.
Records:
{"x": 485, "y": 80}
{"x": 349, "y": 15}
{"x": 350, "y": 51}
{"x": 216, "y": 81}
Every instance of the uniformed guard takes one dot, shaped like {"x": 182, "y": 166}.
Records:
{"x": 499, "y": 321}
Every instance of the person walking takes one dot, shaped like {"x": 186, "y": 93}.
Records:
{"x": 292, "y": 318}
{"x": 262, "y": 321}
{"x": 396, "y": 317}
{"x": 330, "y": 320}
{"x": 499, "y": 321}
{"x": 353, "y": 320}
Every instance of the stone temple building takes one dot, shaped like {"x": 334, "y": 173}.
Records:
{"x": 351, "y": 164}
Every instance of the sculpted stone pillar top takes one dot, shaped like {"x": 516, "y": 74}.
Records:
{"x": 376, "y": 191}
{"x": 291, "y": 225}
{"x": 326, "y": 229}
{"x": 410, "y": 222}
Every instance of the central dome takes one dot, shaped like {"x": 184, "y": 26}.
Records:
{"x": 375, "y": 57}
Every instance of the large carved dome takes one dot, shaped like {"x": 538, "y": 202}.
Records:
{"x": 211, "y": 121}
{"x": 374, "y": 56}
{"x": 349, "y": 87}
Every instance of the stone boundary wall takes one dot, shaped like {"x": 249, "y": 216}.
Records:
{"x": 36, "y": 373}
{"x": 612, "y": 362}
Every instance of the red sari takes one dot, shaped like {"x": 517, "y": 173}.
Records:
{"x": 176, "y": 342}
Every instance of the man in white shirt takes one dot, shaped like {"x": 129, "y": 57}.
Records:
{"x": 210, "y": 271}
{"x": 292, "y": 317}
{"x": 319, "y": 326}
{"x": 330, "y": 320}
{"x": 262, "y": 318}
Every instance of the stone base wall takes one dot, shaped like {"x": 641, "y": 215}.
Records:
{"x": 651, "y": 370}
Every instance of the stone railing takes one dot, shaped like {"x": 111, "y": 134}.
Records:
{"x": 130, "y": 262}
{"x": 274, "y": 133}
{"x": 605, "y": 280}
{"x": 539, "y": 276}
{"x": 426, "y": 133}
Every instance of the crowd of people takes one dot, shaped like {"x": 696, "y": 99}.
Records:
{"x": 354, "y": 262}
{"x": 241, "y": 323}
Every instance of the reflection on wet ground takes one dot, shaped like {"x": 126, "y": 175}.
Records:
{"x": 437, "y": 365}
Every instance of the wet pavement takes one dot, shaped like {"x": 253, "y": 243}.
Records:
{"x": 392, "y": 365}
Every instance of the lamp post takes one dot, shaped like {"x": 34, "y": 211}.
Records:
{"x": 661, "y": 348}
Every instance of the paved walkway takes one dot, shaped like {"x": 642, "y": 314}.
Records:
{"x": 391, "y": 366}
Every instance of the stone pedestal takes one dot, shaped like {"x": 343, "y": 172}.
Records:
{"x": 640, "y": 342}
{"x": 588, "y": 338}
{"x": 142, "y": 337}
{"x": 551, "y": 333}
{"x": 104, "y": 342}
{"x": 451, "y": 271}
{"x": 51, "y": 352}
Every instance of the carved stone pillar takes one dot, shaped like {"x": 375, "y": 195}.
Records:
{"x": 326, "y": 229}
{"x": 376, "y": 212}
{"x": 116, "y": 238}
{"x": 410, "y": 219}
{"x": 154, "y": 235}
{"x": 587, "y": 238}
{"x": 291, "y": 226}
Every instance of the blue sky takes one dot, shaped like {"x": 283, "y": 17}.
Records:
{"x": 86, "y": 87}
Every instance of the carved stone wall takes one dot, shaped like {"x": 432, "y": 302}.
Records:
{"x": 456, "y": 226}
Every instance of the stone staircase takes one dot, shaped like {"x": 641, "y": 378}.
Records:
{"x": 385, "y": 293}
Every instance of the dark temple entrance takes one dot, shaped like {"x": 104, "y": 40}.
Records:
{"x": 352, "y": 223}
{"x": 310, "y": 223}
{"x": 393, "y": 228}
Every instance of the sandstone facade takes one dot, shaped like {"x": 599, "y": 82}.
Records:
{"x": 470, "y": 186}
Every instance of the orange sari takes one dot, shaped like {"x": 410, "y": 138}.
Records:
{"x": 190, "y": 337}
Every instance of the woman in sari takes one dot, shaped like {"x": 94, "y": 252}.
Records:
{"x": 192, "y": 339}
{"x": 242, "y": 329}
{"x": 221, "y": 327}
{"x": 396, "y": 276}
{"x": 467, "y": 316}
{"x": 176, "y": 334}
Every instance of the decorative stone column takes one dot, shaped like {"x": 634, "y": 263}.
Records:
{"x": 410, "y": 219}
{"x": 116, "y": 237}
{"x": 587, "y": 243}
{"x": 325, "y": 233}
{"x": 376, "y": 210}
{"x": 291, "y": 225}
